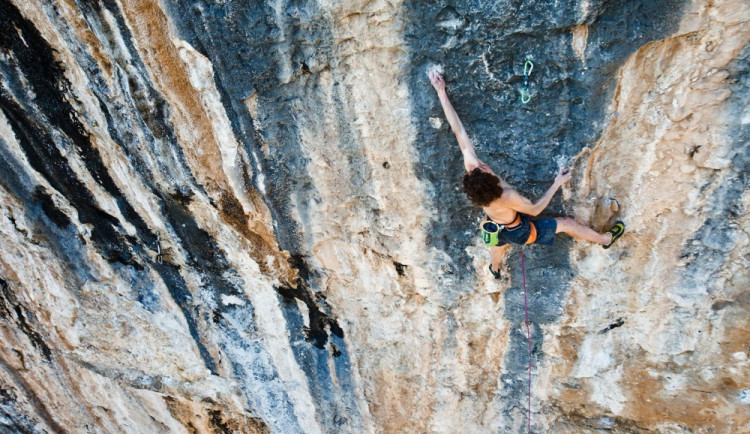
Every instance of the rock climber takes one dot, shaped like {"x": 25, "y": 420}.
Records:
{"x": 507, "y": 212}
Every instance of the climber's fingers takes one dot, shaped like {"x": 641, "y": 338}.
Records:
{"x": 437, "y": 80}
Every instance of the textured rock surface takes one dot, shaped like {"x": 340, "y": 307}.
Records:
{"x": 230, "y": 216}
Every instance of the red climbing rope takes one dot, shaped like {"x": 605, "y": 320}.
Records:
{"x": 528, "y": 332}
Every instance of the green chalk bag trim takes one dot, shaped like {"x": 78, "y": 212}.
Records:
{"x": 490, "y": 232}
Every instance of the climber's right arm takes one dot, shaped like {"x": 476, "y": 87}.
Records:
{"x": 467, "y": 149}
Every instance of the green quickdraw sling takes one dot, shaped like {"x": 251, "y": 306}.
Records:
{"x": 527, "y": 68}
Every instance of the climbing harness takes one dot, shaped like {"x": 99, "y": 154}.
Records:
{"x": 528, "y": 332}
{"x": 491, "y": 230}
{"x": 527, "y": 68}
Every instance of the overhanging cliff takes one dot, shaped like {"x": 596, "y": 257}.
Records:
{"x": 230, "y": 216}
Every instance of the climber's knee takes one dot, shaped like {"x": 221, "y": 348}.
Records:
{"x": 564, "y": 224}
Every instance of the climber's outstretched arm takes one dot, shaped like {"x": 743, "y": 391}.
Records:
{"x": 467, "y": 149}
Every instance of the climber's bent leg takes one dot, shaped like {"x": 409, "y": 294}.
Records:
{"x": 581, "y": 232}
{"x": 497, "y": 258}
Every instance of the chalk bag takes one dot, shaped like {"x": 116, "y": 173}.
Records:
{"x": 491, "y": 232}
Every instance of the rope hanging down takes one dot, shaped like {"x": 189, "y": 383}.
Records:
{"x": 528, "y": 332}
{"x": 527, "y": 68}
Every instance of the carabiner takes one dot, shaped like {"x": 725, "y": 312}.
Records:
{"x": 527, "y": 68}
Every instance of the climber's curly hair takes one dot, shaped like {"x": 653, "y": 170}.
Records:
{"x": 482, "y": 187}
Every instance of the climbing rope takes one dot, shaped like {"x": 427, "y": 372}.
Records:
{"x": 528, "y": 332}
{"x": 527, "y": 68}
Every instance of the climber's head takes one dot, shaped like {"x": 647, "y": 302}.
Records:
{"x": 482, "y": 186}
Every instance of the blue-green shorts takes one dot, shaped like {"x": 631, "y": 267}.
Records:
{"x": 540, "y": 231}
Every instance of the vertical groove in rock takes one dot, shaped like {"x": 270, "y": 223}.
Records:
{"x": 482, "y": 49}
{"x": 673, "y": 156}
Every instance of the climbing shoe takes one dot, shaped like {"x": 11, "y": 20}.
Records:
{"x": 495, "y": 273}
{"x": 617, "y": 230}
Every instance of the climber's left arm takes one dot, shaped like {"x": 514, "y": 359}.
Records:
{"x": 524, "y": 205}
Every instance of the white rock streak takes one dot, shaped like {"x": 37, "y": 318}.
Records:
{"x": 201, "y": 75}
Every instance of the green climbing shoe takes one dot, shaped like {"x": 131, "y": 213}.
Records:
{"x": 617, "y": 230}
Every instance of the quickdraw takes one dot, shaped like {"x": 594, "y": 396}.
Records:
{"x": 527, "y": 68}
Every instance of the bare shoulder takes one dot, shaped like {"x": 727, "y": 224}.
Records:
{"x": 506, "y": 186}
{"x": 509, "y": 193}
{"x": 511, "y": 198}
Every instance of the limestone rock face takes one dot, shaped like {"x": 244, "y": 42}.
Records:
{"x": 233, "y": 216}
